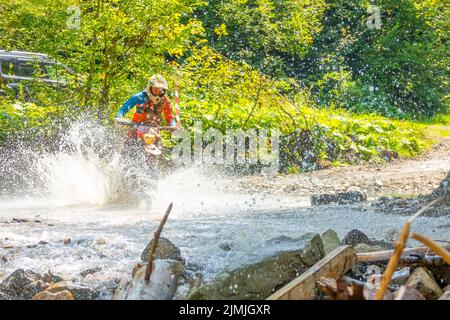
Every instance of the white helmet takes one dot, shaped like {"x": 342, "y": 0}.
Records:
{"x": 156, "y": 81}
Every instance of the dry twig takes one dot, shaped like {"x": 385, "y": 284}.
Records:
{"x": 149, "y": 269}
{"x": 433, "y": 245}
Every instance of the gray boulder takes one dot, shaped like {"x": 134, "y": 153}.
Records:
{"x": 330, "y": 240}
{"x": 355, "y": 237}
{"x": 23, "y": 284}
{"x": 259, "y": 280}
{"x": 165, "y": 250}
{"x": 423, "y": 281}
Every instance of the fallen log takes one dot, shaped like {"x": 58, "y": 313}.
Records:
{"x": 334, "y": 265}
{"x": 382, "y": 256}
{"x": 433, "y": 246}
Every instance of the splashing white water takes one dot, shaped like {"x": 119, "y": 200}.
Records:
{"x": 76, "y": 180}
{"x": 197, "y": 191}
{"x": 88, "y": 169}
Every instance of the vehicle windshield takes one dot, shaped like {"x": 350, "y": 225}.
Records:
{"x": 56, "y": 72}
{"x": 23, "y": 68}
{"x": 34, "y": 69}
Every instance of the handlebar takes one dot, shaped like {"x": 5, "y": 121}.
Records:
{"x": 127, "y": 122}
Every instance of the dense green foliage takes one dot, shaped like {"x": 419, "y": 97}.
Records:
{"x": 291, "y": 65}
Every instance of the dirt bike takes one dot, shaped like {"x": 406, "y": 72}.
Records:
{"x": 148, "y": 134}
{"x": 144, "y": 151}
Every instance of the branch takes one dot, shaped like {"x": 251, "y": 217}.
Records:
{"x": 433, "y": 245}
{"x": 149, "y": 269}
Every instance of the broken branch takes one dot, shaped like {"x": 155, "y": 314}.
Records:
{"x": 149, "y": 268}
{"x": 433, "y": 245}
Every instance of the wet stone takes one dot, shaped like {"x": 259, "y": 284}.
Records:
{"x": 355, "y": 237}
{"x": 61, "y": 295}
{"x": 225, "y": 246}
{"x": 330, "y": 240}
{"x": 23, "y": 284}
{"x": 80, "y": 291}
{"x": 165, "y": 250}
{"x": 259, "y": 280}
{"x": 90, "y": 271}
{"x": 423, "y": 281}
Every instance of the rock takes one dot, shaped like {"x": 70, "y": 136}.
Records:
{"x": 225, "y": 246}
{"x": 363, "y": 247}
{"x": 408, "y": 293}
{"x": 330, "y": 240}
{"x": 338, "y": 198}
{"x": 188, "y": 282}
{"x": 60, "y": 295}
{"x": 378, "y": 183}
{"x": 423, "y": 281}
{"x": 90, "y": 271}
{"x": 23, "y": 284}
{"x": 165, "y": 250}
{"x": 445, "y": 296}
{"x": 286, "y": 239}
{"x": 391, "y": 235}
{"x": 194, "y": 267}
{"x": 5, "y": 296}
{"x": 441, "y": 272}
{"x": 355, "y": 237}
{"x": 259, "y": 280}
{"x": 51, "y": 278}
{"x": 279, "y": 239}
{"x": 80, "y": 291}
{"x": 100, "y": 241}
{"x": 443, "y": 190}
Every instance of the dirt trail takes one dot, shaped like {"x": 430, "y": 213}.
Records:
{"x": 405, "y": 178}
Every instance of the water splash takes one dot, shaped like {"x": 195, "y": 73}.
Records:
{"x": 86, "y": 168}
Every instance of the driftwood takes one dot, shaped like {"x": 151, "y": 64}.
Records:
{"x": 334, "y": 265}
{"x": 399, "y": 246}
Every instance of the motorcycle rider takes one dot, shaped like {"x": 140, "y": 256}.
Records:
{"x": 150, "y": 104}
